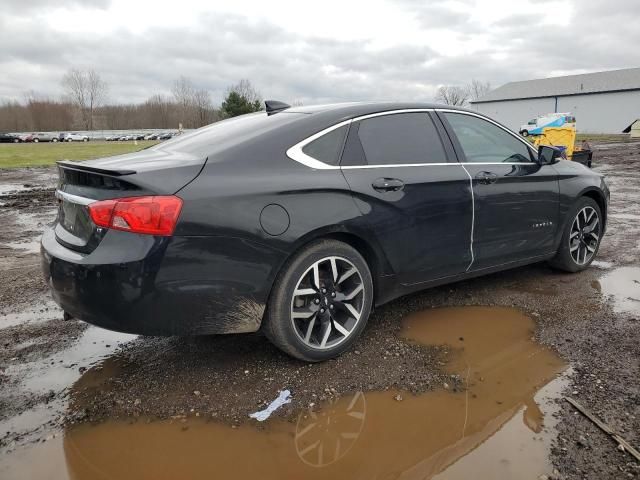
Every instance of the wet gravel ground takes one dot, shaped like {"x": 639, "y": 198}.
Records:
{"x": 54, "y": 372}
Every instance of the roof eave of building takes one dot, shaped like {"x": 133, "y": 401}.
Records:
{"x": 508, "y": 99}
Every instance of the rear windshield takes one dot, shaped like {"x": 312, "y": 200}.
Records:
{"x": 226, "y": 133}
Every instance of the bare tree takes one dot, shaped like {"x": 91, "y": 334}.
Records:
{"x": 184, "y": 93}
{"x": 203, "y": 107}
{"x": 75, "y": 85}
{"x": 87, "y": 91}
{"x": 452, "y": 95}
{"x": 246, "y": 90}
{"x": 96, "y": 93}
{"x": 478, "y": 89}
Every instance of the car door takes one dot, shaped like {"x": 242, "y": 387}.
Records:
{"x": 516, "y": 200}
{"x": 414, "y": 197}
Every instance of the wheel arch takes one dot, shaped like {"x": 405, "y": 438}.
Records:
{"x": 590, "y": 192}
{"x": 362, "y": 243}
{"x": 599, "y": 198}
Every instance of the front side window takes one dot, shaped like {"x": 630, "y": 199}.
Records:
{"x": 484, "y": 142}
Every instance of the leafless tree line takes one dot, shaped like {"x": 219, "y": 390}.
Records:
{"x": 462, "y": 95}
{"x": 84, "y": 107}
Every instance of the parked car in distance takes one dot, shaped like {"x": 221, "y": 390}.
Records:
{"x": 9, "y": 138}
{"x": 298, "y": 221}
{"x": 41, "y": 137}
{"x": 165, "y": 136}
{"x": 151, "y": 136}
{"x": 76, "y": 137}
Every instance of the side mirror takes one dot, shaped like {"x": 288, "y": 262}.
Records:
{"x": 548, "y": 155}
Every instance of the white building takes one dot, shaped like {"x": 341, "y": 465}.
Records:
{"x": 602, "y": 102}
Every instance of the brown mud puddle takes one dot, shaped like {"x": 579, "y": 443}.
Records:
{"x": 500, "y": 426}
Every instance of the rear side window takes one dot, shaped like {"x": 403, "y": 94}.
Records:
{"x": 484, "y": 142}
{"x": 214, "y": 138}
{"x": 328, "y": 147}
{"x": 396, "y": 139}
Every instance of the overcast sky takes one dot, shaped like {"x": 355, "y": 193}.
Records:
{"x": 313, "y": 52}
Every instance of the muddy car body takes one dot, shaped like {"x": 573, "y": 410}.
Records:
{"x": 300, "y": 220}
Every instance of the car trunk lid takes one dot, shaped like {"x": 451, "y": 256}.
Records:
{"x": 149, "y": 172}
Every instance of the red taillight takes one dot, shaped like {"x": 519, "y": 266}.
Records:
{"x": 152, "y": 215}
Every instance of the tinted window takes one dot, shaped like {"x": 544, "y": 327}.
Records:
{"x": 484, "y": 142}
{"x": 328, "y": 147}
{"x": 403, "y": 138}
{"x": 227, "y": 133}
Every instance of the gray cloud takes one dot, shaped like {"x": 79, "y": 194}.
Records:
{"x": 24, "y": 6}
{"x": 219, "y": 49}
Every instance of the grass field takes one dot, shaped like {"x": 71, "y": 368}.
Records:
{"x": 39, "y": 154}
{"x": 605, "y": 138}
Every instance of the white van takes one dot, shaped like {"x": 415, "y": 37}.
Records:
{"x": 535, "y": 126}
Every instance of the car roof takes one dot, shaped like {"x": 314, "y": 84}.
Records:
{"x": 355, "y": 109}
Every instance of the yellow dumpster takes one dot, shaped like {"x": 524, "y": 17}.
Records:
{"x": 558, "y": 137}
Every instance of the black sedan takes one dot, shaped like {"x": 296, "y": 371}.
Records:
{"x": 9, "y": 138}
{"x": 298, "y": 221}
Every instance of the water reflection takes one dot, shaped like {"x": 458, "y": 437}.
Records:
{"x": 495, "y": 428}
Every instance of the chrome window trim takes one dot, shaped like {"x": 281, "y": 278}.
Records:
{"x": 295, "y": 152}
{"x": 396, "y": 165}
{"x": 73, "y": 198}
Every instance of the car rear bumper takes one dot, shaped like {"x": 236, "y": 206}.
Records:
{"x": 161, "y": 285}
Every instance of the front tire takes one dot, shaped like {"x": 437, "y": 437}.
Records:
{"x": 581, "y": 237}
{"x": 525, "y": 133}
{"x": 320, "y": 302}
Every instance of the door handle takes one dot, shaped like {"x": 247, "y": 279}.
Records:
{"x": 485, "y": 178}
{"x": 387, "y": 184}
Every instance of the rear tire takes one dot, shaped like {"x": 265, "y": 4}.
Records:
{"x": 581, "y": 237}
{"x": 54, "y": 140}
{"x": 525, "y": 133}
{"x": 320, "y": 302}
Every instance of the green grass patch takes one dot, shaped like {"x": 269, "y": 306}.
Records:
{"x": 604, "y": 138}
{"x": 40, "y": 154}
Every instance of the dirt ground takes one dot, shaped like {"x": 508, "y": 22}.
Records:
{"x": 55, "y": 372}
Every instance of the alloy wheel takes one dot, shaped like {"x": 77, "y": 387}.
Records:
{"x": 327, "y": 303}
{"x": 584, "y": 236}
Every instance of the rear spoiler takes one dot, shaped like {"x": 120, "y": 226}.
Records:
{"x": 88, "y": 168}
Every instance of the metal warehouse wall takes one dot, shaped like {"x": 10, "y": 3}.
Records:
{"x": 598, "y": 113}
{"x": 513, "y": 113}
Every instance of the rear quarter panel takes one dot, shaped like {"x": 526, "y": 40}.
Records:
{"x": 223, "y": 208}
